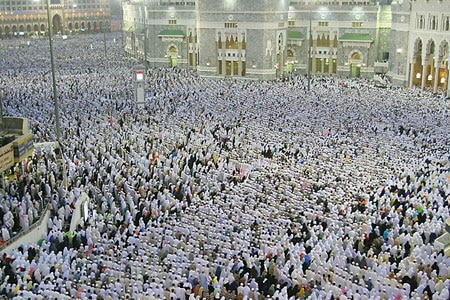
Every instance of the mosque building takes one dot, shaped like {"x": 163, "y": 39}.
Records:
{"x": 29, "y": 17}
{"x": 407, "y": 41}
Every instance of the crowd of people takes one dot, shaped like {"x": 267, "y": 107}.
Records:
{"x": 224, "y": 188}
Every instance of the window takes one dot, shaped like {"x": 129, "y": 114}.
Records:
{"x": 172, "y": 22}
{"x": 323, "y": 24}
{"x": 446, "y": 22}
{"x": 231, "y": 25}
{"x": 433, "y": 23}
{"x": 291, "y": 23}
{"x": 357, "y": 24}
{"x": 421, "y": 22}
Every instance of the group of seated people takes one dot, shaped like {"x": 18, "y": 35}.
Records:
{"x": 226, "y": 189}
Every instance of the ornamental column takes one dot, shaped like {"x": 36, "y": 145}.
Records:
{"x": 424, "y": 75}
{"x": 239, "y": 36}
{"x": 224, "y": 50}
{"x": 436, "y": 75}
{"x": 447, "y": 80}
{"x": 412, "y": 74}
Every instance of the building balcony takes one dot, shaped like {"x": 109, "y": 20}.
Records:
{"x": 381, "y": 67}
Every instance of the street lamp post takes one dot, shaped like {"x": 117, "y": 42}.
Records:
{"x": 1, "y": 107}
{"x": 121, "y": 23}
{"x": 74, "y": 6}
{"x": 309, "y": 52}
{"x": 104, "y": 26}
{"x": 145, "y": 37}
{"x": 52, "y": 63}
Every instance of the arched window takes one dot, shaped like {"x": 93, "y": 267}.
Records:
{"x": 356, "y": 56}
{"x": 421, "y": 23}
{"x": 433, "y": 23}
{"x": 173, "y": 49}
{"x": 280, "y": 42}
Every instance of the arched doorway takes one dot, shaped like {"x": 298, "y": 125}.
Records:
{"x": 42, "y": 28}
{"x": 417, "y": 64}
{"x": 29, "y": 29}
{"x": 290, "y": 61}
{"x": 7, "y": 31}
{"x": 173, "y": 55}
{"x": 429, "y": 73}
{"x": 1, "y": 31}
{"x": 356, "y": 60}
{"x": 57, "y": 24}
{"x": 442, "y": 71}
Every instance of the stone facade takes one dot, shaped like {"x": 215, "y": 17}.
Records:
{"x": 268, "y": 39}
{"x": 29, "y": 18}
{"x": 420, "y": 41}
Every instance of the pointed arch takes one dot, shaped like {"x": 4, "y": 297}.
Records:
{"x": 443, "y": 65}
{"x": 431, "y": 47}
{"x": 57, "y": 24}
{"x": 355, "y": 56}
{"x": 418, "y": 45}
{"x": 443, "y": 50}
{"x": 290, "y": 53}
{"x": 173, "y": 49}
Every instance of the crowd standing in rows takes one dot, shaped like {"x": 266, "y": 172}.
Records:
{"x": 225, "y": 189}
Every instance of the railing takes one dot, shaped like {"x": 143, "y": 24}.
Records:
{"x": 23, "y": 232}
{"x": 383, "y": 64}
{"x": 56, "y": 6}
{"x": 156, "y": 3}
{"x": 176, "y": 2}
{"x": 332, "y": 2}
